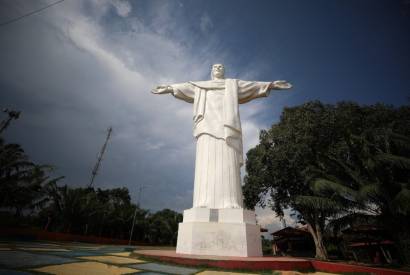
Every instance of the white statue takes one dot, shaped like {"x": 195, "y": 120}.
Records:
{"x": 217, "y": 128}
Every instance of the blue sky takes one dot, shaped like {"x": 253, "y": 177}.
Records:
{"x": 81, "y": 66}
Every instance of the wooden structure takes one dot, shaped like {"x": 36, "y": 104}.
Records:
{"x": 291, "y": 241}
{"x": 370, "y": 244}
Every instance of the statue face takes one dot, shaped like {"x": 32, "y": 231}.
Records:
{"x": 218, "y": 71}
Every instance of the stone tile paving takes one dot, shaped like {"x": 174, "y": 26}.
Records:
{"x": 301, "y": 273}
{"x": 165, "y": 268}
{"x": 112, "y": 259}
{"x": 212, "y": 272}
{"x": 109, "y": 249}
{"x": 43, "y": 249}
{"x": 78, "y": 258}
{"x": 84, "y": 248}
{"x": 12, "y": 272}
{"x": 18, "y": 259}
{"x": 23, "y": 244}
{"x": 77, "y": 253}
{"x": 122, "y": 254}
{"x": 85, "y": 268}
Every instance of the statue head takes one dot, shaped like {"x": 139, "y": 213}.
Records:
{"x": 218, "y": 71}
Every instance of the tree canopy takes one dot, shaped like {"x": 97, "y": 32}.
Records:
{"x": 331, "y": 161}
{"x": 31, "y": 197}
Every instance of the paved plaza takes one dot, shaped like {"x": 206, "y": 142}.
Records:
{"x": 20, "y": 258}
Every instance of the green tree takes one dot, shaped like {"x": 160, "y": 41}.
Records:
{"x": 118, "y": 213}
{"x": 98, "y": 212}
{"x": 327, "y": 161}
{"x": 25, "y": 185}
{"x": 21, "y": 181}
{"x": 163, "y": 227}
{"x": 69, "y": 208}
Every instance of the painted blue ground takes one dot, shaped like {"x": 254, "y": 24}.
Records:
{"x": 18, "y": 259}
{"x": 21, "y": 261}
{"x": 165, "y": 268}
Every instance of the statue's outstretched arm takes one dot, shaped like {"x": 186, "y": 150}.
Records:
{"x": 182, "y": 91}
{"x": 280, "y": 85}
{"x": 249, "y": 90}
{"x": 162, "y": 89}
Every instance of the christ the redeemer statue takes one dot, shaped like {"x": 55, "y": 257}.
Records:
{"x": 217, "y": 128}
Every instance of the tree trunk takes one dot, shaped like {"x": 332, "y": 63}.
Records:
{"x": 18, "y": 212}
{"x": 316, "y": 233}
{"x": 48, "y": 223}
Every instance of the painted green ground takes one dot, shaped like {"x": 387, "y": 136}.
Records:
{"x": 19, "y": 258}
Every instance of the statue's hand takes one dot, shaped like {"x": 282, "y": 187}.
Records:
{"x": 162, "y": 89}
{"x": 280, "y": 85}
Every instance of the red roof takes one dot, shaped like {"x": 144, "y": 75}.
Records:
{"x": 290, "y": 231}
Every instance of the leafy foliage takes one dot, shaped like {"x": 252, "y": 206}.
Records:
{"x": 98, "y": 212}
{"x": 331, "y": 161}
{"x": 25, "y": 185}
{"x": 21, "y": 181}
{"x": 163, "y": 227}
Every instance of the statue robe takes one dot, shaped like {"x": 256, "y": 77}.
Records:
{"x": 217, "y": 128}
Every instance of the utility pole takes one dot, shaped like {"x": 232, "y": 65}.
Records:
{"x": 135, "y": 213}
{"x": 100, "y": 156}
{"x": 12, "y": 115}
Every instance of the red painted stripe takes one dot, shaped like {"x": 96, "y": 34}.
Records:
{"x": 271, "y": 263}
{"x": 236, "y": 264}
{"x": 342, "y": 267}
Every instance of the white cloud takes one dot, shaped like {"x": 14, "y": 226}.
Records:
{"x": 250, "y": 130}
{"x": 93, "y": 76}
{"x": 133, "y": 63}
{"x": 123, "y": 7}
{"x": 205, "y": 23}
{"x": 267, "y": 219}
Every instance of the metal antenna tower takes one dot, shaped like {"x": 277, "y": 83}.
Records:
{"x": 100, "y": 156}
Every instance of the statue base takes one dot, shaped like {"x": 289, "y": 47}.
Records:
{"x": 219, "y": 232}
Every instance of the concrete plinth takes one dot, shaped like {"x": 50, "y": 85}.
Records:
{"x": 220, "y": 232}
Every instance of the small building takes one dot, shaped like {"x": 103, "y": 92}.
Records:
{"x": 370, "y": 244}
{"x": 291, "y": 241}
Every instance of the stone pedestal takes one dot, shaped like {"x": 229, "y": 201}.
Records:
{"x": 220, "y": 232}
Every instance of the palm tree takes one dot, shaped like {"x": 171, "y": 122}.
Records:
{"x": 21, "y": 181}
